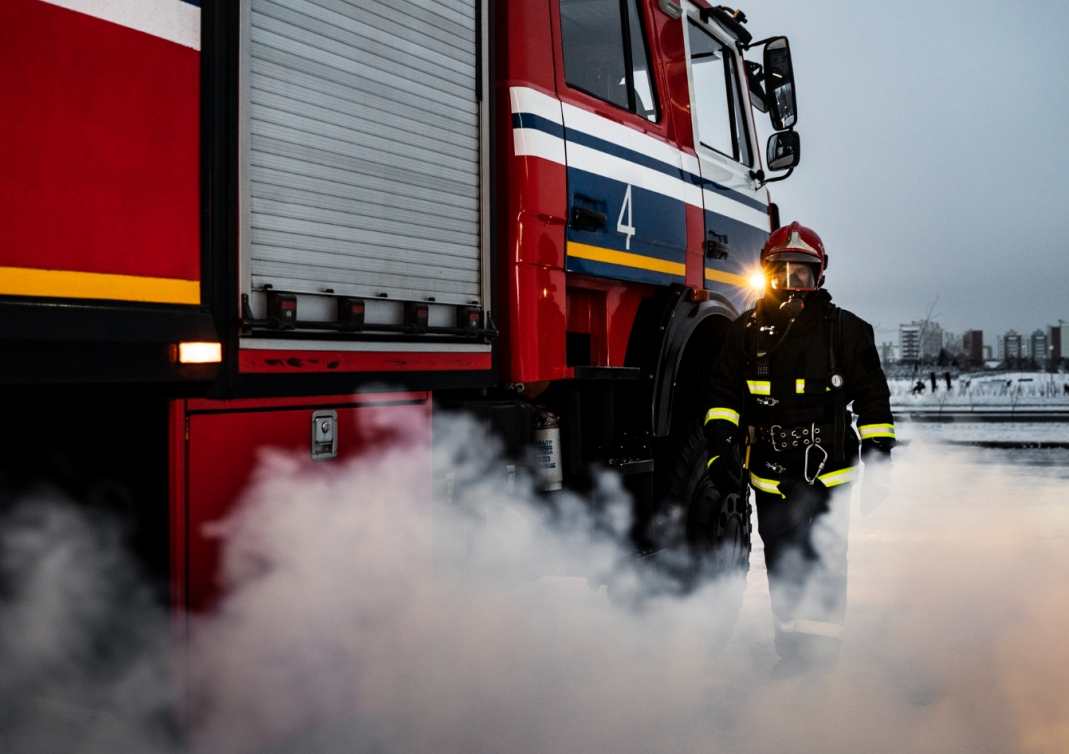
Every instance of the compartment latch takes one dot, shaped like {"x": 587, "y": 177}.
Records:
{"x": 324, "y": 435}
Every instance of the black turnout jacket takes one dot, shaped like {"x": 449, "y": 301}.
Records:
{"x": 778, "y": 386}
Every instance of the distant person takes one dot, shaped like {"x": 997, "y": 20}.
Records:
{"x": 918, "y": 388}
{"x": 946, "y": 376}
{"x": 778, "y": 397}
{"x": 935, "y": 386}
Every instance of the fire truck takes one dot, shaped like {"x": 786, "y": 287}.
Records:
{"x": 230, "y": 225}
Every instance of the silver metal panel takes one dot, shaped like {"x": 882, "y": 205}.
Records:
{"x": 347, "y": 37}
{"x": 360, "y": 89}
{"x": 317, "y": 164}
{"x": 300, "y": 89}
{"x": 362, "y": 152}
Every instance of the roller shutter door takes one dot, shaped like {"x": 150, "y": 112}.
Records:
{"x": 363, "y": 162}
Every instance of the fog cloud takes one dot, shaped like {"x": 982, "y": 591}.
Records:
{"x": 361, "y": 617}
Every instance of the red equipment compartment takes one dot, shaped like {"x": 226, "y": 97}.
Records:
{"x": 215, "y": 451}
{"x": 99, "y": 194}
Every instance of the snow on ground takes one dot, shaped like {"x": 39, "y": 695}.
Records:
{"x": 978, "y": 390}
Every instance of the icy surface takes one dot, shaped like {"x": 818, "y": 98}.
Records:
{"x": 984, "y": 432}
{"x": 1032, "y": 390}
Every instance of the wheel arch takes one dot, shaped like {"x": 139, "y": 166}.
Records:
{"x": 674, "y": 338}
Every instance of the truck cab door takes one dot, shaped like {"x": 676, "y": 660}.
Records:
{"x": 626, "y": 189}
{"x": 735, "y": 206}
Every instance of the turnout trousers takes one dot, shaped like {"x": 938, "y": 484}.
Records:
{"x": 804, "y": 531}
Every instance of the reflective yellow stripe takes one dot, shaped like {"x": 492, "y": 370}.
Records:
{"x": 711, "y": 461}
{"x": 23, "y": 281}
{"x": 765, "y": 485}
{"x": 877, "y": 430}
{"x": 759, "y": 387}
{"x": 726, "y": 277}
{"x": 811, "y": 627}
{"x": 625, "y": 259}
{"x": 799, "y": 386}
{"x": 842, "y": 476}
{"x": 722, "y": 413}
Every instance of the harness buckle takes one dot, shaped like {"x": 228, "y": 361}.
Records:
{"x": 776, "y": 431}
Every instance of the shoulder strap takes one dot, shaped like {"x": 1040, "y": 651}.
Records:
{"x": 834, "y": 318}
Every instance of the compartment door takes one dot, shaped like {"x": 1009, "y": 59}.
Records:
{"x": 216, "y": 452}
{"x": 361, "y": 149}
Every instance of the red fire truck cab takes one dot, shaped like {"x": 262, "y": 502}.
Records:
{"x": 231, "y": 225}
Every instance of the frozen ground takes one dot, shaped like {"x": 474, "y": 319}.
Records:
{"x": 978, "y": 391}
{"x": 984, "y": 432}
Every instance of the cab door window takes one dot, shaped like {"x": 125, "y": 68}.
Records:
{"x": 605, "y": 54}
{"x": 717, "y": 100}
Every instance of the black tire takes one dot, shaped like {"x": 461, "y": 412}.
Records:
{"x": 700, "y": 532}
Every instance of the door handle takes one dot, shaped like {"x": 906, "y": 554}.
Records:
{"x": 717, "y": 247}
{"x": 588, "y": 219}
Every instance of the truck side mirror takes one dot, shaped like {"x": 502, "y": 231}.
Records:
{"x": 779, "y": 84}
{"x": 784, "y": 150}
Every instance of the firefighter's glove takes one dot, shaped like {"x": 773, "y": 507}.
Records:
{"x": 724, "y": 465}
{"x": 725, "y": 470}
{"x": 876, "y": 483}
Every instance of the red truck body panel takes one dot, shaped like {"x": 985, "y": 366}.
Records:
{"x": 219, "y": 448}
{"x": 100, "y": 197}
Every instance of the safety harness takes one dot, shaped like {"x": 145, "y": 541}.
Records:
{"x": 795, "y": 429}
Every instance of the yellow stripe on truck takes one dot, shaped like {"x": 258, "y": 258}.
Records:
{"x": 726, "y": 277}
{"x": 625, "y": 259}
{"x": 25, "y": 281}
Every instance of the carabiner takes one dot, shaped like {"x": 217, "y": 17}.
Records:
{"x": 820, "y": 468}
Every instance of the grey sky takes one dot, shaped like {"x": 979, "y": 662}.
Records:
{"x": 935, "y": 156}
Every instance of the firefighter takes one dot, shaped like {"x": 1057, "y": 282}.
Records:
{"x": 778, "y": 418}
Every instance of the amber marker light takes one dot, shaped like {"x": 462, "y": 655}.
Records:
{"x": 200, "y": 353}
{"x": 757, "y": 281}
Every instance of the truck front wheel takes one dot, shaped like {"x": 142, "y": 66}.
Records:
{"x": 701, "y": 531}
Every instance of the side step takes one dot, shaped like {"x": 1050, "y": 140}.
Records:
{"x": 630, "y": 466}
{"x": 607, "y": 373}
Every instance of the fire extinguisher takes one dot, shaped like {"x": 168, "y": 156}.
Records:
{"x": 548, "y": 470}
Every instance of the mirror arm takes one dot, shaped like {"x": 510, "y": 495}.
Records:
{"x": 758, "y": 43}
{"x": 783, "y": 177}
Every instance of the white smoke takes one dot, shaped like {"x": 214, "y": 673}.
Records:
{"x": 360, "y": 616}
{"x": 84, "y": 653}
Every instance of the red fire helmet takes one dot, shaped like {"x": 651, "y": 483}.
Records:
{"x": 796, "y": 243}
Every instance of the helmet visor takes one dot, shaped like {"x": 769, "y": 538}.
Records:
{"x": 792, "y": 276}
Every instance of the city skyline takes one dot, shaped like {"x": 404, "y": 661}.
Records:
{"x": 927, "y": 340}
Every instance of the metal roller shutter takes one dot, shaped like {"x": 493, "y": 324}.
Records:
{"x": 363, "y": 148}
